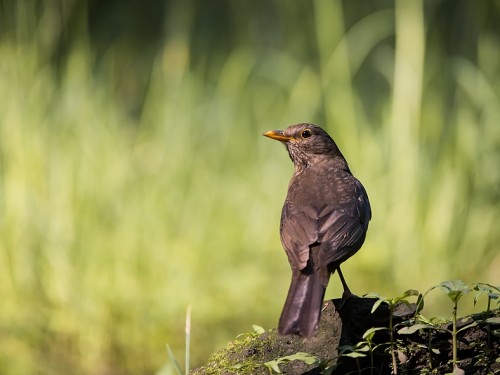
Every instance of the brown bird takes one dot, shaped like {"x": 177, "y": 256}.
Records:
{"x": 323, "y": 222}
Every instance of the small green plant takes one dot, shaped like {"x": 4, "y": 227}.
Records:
{"x": 361, "y": 348}
{"x": 273, "y": 365}
{"x": 392, "y": 303}
{"x": 455, "y": 290}
{"x": 430, "y": 324}
{"x": 354, "y": 351}
{"x": 257, "y": 330}
{"x": 492, "y": 292}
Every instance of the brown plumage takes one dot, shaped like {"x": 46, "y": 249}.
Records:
{"x": 323, "y": 222}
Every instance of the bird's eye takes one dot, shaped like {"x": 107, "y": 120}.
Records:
{"x": 306, "y": 133}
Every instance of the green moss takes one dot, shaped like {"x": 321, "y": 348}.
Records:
{"x": 240, "y": 356}
{"x": 255, "y": 353}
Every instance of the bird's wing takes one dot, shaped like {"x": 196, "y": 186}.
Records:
{"x": 335, "y": 218}
{"x": 298, "y": 232}
{"x": 342, "y": 230}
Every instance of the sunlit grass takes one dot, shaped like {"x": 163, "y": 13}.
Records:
{"x": 111, "y": 226}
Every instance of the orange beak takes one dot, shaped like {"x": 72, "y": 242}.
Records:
{"x": 278, "y": 135}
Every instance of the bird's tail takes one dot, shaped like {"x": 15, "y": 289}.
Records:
{"x": 303, "y": 304}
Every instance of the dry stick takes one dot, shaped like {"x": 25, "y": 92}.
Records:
{"x": 188, "y": 339}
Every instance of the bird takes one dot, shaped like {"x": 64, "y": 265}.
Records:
{"x": 324, "y": 221}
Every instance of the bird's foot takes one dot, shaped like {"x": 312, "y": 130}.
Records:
{"x": 345, "y": 296}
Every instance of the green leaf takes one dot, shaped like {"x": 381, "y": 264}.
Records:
{"x": 273, "y": 365}
{"x": 363, "y": 347}
{"x": 377, "y": 304}
{"x": 368, "y": 335}
{"x": 420, "y": 303}
{"x": 494, "y": 295}
{"x": 414, "y": 328}
{"x": 258, "y": 329}
{"x": 173, "y": 360}
{"x": 483, "y": 288}
{"x": 486, "y": 287}
{"x": 437, "y": 320}
{"x": 299, "y": 356}
{"x": 354, "y": 355}
{"x": 455, "y": 289}
{"x": 411, "y": 292}
{"x": 494, "y": 320}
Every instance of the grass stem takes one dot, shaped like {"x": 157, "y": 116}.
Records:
{"x": 454, "y": 334}
{"x": 188, "y": 339}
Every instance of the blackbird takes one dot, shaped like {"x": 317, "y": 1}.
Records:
{"x": 323, "y": 222}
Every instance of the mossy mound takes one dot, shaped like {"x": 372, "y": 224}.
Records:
{"x": 421, "y": 351}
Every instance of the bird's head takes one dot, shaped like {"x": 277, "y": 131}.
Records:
{"x": 307, "y": 144}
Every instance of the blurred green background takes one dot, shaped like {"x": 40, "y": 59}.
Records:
{"x": 134, "y": 180}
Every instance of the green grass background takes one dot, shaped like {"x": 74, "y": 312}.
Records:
{"x": 134, "y": 180}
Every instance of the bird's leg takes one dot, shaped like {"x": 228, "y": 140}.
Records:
{"x": 347, "y": 293}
